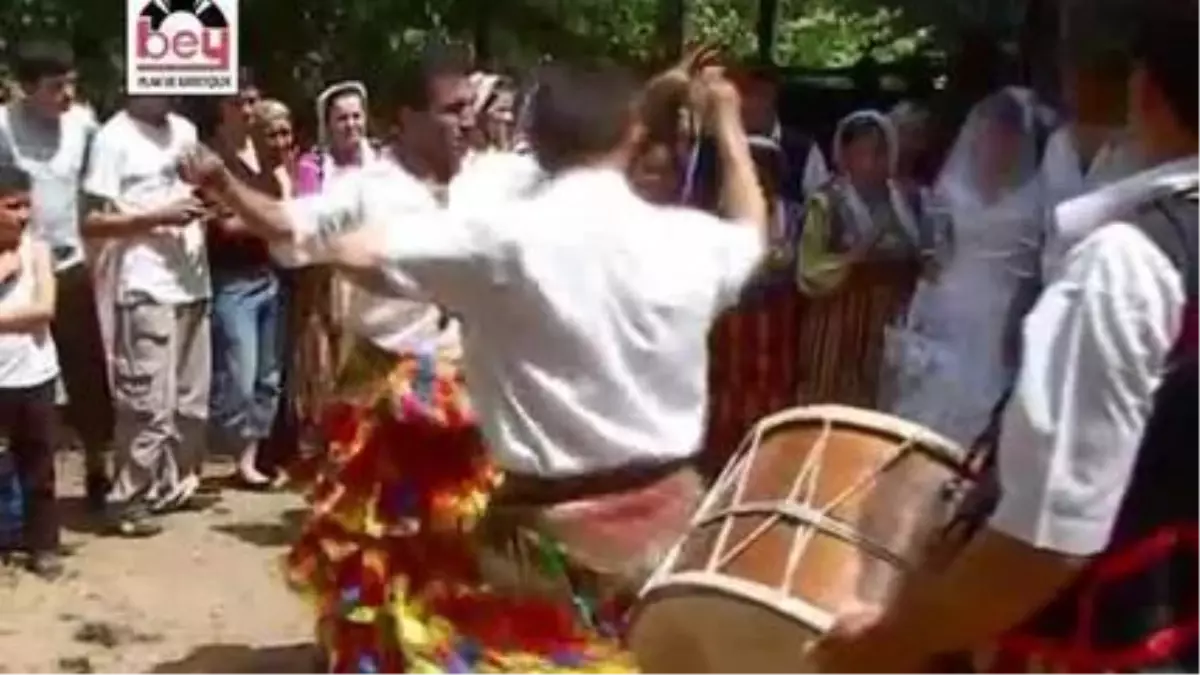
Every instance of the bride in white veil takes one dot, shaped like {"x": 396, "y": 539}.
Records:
{"x": 951, "y": 362}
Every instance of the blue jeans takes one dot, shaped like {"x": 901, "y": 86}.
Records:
{"x": 247, "y": 354}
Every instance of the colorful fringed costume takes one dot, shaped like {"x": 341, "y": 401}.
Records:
{"x": 390, "y": 559}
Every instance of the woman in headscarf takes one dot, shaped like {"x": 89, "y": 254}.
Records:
{"x": 342, "y": 143}
{"x": 952, "y": 362}
{"x": 343, "y": 148}
{"x": 862, "y": 246}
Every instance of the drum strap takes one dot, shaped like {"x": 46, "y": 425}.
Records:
{"x": 980, "y": 499}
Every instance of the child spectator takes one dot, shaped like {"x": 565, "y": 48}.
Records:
{"x": 28, "y": 368}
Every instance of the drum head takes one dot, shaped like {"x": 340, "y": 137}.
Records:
{"x": 701, "y": 630}
{"x": 896, "y": 428}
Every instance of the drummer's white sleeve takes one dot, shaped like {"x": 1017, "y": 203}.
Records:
{"x": 1095, "y": 348}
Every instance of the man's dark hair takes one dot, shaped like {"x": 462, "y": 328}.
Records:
{"x": 410, "y": 88}
{"x": 579, "y": 112}
{"x": 37, "y": 59}
{"x": 14, "y": 180}
{"x": 1165, "y": 45}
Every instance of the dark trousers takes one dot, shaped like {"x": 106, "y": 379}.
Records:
{"x": 27, "y": 419}
{"x": 84, "y": 363}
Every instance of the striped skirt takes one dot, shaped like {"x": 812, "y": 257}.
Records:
{"x": 841, "y": 334}
{"x": 753, "y": 369}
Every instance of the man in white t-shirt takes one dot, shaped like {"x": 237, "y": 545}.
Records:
{"x": 585, "y": 309}
{"x": 1088, "y": 561}
{"x": 161, "y": 366}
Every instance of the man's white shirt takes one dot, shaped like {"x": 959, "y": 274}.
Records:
{"x": 134, "y": 166}
{"x": 1095, "y": 349}
{"x": 585, "y": 311}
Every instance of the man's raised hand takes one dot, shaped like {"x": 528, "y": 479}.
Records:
{"x": 667, "y": 92}
{"x": 714, "y": 98}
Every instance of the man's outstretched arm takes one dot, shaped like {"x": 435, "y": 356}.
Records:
{"x": 261, "y": 214}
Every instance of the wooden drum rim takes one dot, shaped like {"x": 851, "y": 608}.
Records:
{"x": 945, "y": 451}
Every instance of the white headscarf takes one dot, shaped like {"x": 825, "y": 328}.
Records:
{"x": 1005, "y": 220}
{"x": 329, "y": 169}
{"x": 327, "y": 95}
{"x": 858, "y": 208}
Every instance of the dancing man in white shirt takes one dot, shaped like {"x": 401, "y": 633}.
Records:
{"x": 584, "y": 339}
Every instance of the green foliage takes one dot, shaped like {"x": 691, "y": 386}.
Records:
{"x": 812, "y": 33}
{"x": 297, "y": 45}
{"x": 829, "y": 36}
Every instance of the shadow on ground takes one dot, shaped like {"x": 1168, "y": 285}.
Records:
{"x": 75, "y": 516}
{"x": 299, "y": 658}
{"x": 268, "y": 535}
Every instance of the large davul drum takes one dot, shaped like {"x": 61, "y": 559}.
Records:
{"x": 822, "y": 510}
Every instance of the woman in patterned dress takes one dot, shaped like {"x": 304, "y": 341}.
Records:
{"x": 343, "y": 149}
{"x": 861, "y": 250}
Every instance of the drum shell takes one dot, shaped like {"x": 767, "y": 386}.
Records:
{"x": 737, "y": 580}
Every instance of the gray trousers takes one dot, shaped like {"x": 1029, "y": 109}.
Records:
{"x": 162, "y": 365}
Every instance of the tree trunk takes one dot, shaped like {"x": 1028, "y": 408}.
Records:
{"x": 669, "y": 28}
{"x": 768, "y": 12}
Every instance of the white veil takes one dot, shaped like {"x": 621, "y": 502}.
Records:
{"x": 953, "y": 358}
{"x": 978, "y": 198}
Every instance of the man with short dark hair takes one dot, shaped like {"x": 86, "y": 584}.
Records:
{"x": 397, "y": 399}
{"x": 1088, "y": 561}
{"x": 585, "y": 313}
{"x": 50, "y": 137}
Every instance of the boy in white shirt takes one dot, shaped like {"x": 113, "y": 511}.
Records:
{"x": 161, "y": 368}
{"x": 28, "y": 368}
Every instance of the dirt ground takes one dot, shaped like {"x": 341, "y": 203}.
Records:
{"x": 204, "y": 596}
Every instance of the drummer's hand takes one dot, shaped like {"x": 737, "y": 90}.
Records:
{"x": 858, "y": 643}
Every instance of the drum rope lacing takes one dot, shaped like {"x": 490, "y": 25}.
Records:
{"x": 799, "y": 504}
